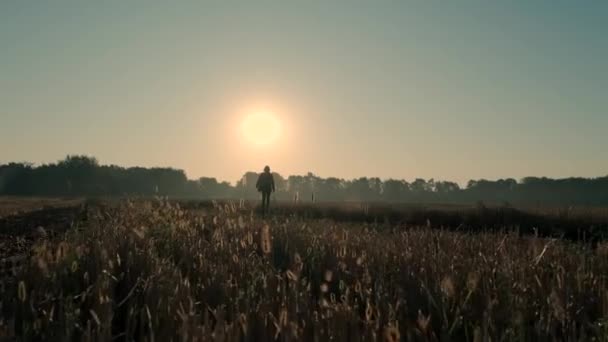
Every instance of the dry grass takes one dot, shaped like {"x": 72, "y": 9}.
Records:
{"x": 152, "y": 271}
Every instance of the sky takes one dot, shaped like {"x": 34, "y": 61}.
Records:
{"x": 394, "y": 89}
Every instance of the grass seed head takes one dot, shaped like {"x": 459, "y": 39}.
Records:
{"x": 472, "y": 281}
{"x": 391, "y": 334}
{"x": 265, "y": 240}
{"x": 22, "y": 291}
{"x": 447, "y": 287}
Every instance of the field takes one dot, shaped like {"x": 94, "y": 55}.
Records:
{"x": 14, "y": 206}
{"x": 159, "y": 270}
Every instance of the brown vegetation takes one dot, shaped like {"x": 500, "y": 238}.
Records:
{"x": 153, "y": 271}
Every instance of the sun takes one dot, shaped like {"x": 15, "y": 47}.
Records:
{"x": 261, "y": 127}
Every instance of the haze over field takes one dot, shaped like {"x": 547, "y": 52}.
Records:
{"x": 452, "y": 91}
{"x": 432, "y": 170}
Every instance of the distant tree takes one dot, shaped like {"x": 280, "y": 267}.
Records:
{"x": 376, "y": 189}
{"x": 331, "y": 189}
{"x": 446, "y": 188}
{"x": 395, "y": 190}
{"x": 245, "y": 187}
{"x": 78, "y": 175}
{"x": 210, "y": 188}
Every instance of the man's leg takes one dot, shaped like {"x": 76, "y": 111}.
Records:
{"x": 266, "y": 200}
{"x": 263, "y": 202}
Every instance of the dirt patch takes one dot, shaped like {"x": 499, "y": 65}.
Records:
{"x": 19, "y": 232}
{"x": 14, "y": 206}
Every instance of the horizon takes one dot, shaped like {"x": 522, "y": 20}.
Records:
{"x": 285, "y": 176}
{"x": 447, "y": 91}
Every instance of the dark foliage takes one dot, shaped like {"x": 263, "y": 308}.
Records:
{"x": 84, "y": 176}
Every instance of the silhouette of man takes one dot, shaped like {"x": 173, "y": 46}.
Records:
{"x": 265, "y": 185}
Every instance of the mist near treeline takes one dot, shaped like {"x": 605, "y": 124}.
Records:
{"x": 84, "y": 176}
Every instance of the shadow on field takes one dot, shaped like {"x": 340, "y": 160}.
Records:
{"x": 479, "y": 218}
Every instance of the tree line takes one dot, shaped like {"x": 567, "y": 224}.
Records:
{"x": 84, "y": 176}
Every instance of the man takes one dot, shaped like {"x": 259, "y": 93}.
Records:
{"x": 265, "y": 185}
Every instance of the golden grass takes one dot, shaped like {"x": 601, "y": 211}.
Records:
{"x": 152, "y": 271}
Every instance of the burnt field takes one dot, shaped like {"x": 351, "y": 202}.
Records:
{"x": 153, "y": 269}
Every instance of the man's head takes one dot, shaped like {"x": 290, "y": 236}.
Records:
{"x": 266, "y": 168}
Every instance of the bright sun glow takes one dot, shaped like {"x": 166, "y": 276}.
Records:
{"x": 261, "y": 128}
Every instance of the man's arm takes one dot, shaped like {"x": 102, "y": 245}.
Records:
{"x": 272, "y": 182}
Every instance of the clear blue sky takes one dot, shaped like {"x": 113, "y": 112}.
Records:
{"x": 450, "y": 90}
